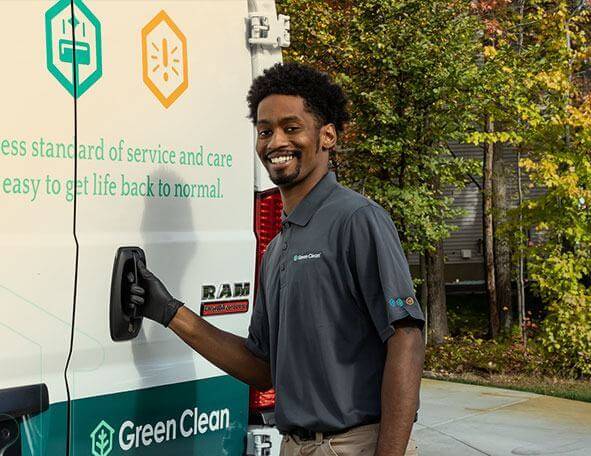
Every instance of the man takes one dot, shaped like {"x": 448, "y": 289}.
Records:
{"x": 336, "y": 328}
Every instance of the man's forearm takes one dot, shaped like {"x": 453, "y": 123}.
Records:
{"x": 226, "y": 350}
{"x": 400, "y": 388}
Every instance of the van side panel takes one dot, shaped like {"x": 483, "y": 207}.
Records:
{"x": 169, "y": 169}
{"x": 37, "y": 247}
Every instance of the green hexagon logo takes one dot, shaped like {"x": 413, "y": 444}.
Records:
{"x": 66, "y": 58}
{"x": 102, "y": 439}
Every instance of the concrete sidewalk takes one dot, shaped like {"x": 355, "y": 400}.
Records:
{"x": 466, "y": 420}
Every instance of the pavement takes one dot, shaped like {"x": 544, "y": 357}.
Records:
{"x": 466, "y": 420}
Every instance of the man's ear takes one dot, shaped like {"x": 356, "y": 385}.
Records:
{"x": 328, "y": 137}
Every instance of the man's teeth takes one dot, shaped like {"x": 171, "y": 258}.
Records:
{"x": 283, "y": 159}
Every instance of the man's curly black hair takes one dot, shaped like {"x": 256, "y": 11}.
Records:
{"x": 323, "y": 98}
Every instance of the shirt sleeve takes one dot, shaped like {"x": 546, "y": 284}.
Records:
{"x": 258, "y": 331}
{"x": 380, "y": 271}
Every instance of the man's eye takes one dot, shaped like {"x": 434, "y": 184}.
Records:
{"x": 264, "y": 133}
{"x": 291, "y": 129}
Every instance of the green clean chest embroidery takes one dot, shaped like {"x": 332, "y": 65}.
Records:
{"x": 307, "y": 256}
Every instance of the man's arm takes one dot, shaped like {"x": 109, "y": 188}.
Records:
{"x": 226, "y": 350}
{"x": 400, "y": 387}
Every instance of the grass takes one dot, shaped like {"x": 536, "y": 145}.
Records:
{"x": 578, "y": 390}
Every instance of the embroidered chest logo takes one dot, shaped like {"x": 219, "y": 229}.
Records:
{"x": 307, "y": 256}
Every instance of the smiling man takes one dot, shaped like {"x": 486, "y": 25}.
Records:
{"x": 336, "y": 328}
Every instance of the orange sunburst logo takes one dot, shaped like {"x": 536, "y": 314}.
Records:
{"x": 164, "y": 59}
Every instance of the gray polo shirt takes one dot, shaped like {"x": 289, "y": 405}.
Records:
{"x": 332, "y": 282}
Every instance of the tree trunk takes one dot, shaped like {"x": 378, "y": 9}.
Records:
{"x": 424, "y": 295}
{"x": 521, "y": 265}
{"x": 438, "y": 328}
{"x": 502, "y": 250}
{"x": 521, "y": 258}
{"x": 489, "y": 258}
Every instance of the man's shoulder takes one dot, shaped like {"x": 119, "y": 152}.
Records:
{"x": 347, "y": 202}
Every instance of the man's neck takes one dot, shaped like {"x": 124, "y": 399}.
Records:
{"x": 292, "y": 196}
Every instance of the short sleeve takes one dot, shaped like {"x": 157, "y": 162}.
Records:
{"x": 257, "y": 341}
{"x": 380, "y": 270}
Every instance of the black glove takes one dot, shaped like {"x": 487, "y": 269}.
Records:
{"x": 152, "y": 299}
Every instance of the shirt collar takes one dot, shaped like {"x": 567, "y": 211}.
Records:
{"x": 304, "y": 211}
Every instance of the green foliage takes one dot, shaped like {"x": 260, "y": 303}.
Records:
{"x": 553, "y": 127}
{"x": 421, "y": 74}
{"x": 409, "y": 68}
{"x": 566, "y": 336}
{"x": 534, "y": 55}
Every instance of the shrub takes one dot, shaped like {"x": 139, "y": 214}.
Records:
{"x": 473, "y": 354}
{"x": 566, "y": 336}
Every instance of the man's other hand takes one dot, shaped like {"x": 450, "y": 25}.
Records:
{"x": 152, "y": 299}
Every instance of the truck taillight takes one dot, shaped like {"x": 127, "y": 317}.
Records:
{"x": 267, "y": 223}
{"x": 267, "y": 219}
{"x": 261, "y": 400}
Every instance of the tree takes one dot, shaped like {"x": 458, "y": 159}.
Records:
{"x": 493, "y": 105}
{"x": 559, "y": 141}
{"x": 409, "y": 68}
{"x": 536, "y": 92}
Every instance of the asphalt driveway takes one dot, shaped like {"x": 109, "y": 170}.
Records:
{"x": 466, "y": 420}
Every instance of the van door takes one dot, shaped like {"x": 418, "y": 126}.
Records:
{"x": 167, "y": 167}
{"x": 37, "y": 245}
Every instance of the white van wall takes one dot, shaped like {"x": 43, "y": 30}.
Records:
{"x": 193, "y": 220}
{"x": 37, "y": 246}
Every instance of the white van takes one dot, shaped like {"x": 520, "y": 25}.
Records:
{"x": 152, "y": 96}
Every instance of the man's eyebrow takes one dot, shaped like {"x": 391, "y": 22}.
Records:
{"x": 282, "y": 120}
{"x": 290, "y": 119}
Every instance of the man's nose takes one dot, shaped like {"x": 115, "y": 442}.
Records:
{"x": 278, "y": 140}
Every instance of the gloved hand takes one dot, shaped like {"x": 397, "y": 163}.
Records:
{"x": 152, "y": 299}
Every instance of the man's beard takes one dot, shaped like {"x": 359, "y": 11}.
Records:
{"x": 285, "y": 180}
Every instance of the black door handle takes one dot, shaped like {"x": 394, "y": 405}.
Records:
{"x": 125, "y": 322}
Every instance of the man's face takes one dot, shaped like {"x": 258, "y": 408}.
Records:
{"x": 289, "y": 140}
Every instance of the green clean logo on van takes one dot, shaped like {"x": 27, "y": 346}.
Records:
{"x": 189, "y": 424}
{"x": 102, "y": 439}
